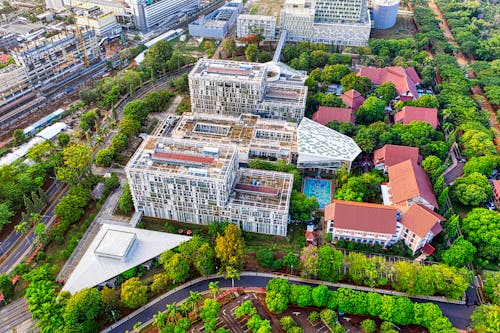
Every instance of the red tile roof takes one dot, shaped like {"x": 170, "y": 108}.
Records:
{"x": 393, "y": 154}
{"x": 408, "y": 180}
{"x": 420, "y": 220}
{"x": 496, "y": 187}
{"x": 183, "y": 157}
{"x": 362, "y": 216}
{"x": 4, "y": 57}
{"x": 326, "y": 114}
{"x": 428, "y": 249}
{"x": 352, "y": 99}
{"x": 404, "y": 80}
{"x": 413, "y": 113}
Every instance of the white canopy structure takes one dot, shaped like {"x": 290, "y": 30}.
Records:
{"x": 322, "y": 148}
{"x": 116, "y": 249}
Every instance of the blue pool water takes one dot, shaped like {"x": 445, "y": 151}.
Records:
{"x": 319, "y": 188}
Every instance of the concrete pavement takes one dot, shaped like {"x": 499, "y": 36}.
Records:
{"x": 16, "y": 316}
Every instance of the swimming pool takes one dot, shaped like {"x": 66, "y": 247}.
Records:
{"x": 319, "y": 188}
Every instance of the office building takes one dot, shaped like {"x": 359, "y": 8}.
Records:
{"x": 103, "y": 23}
{"x": 123, "y": 12}
{"x": 200, "y": 182}
{"x": 149, "y": 14}
{"x": 340, "y": 22}
{"x": 248, "y": 24}
{"x": 232, "y": 88}
{"x": 218, "y": 23}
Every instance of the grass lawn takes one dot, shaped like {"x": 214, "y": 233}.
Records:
{"x": 294, "y": 241}
{"x": 404, "y": 28}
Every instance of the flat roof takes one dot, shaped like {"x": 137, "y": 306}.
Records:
{"x": 320, "y": 141}
{"x": 115, "y": 244}
{"x": 229, "y": 70}
{"x": 94, "y": 269}
{"x": 50, "y": 132}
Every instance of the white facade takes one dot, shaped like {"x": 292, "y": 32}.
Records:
{"x": 232, "y": 88}
{"x": 199, "y": 182}
{"x": 54, "y": 4}
{"x": 256, "y": 24}
{"x": 14, "y": 83}
{"x": 104, "y": 24}
{"x": 154, "y": 13}
{"x": 343, "y": 22}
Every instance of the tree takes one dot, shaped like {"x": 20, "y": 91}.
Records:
{"x": 373, "y": 109}
{"x": 360, "y": 83}
{"x": 214, "y": 289}
{"x": 460, "y": 253}
{"x": 194, "y": 298}
{"x": 232, "y": 273}
{"x": 482, "y": 164}
{"x": 492, "y": 287}
{"x": 63, "y": 139}
{"x": 485, "y": 318}
{"x": 203, "y": 259}
{"x": 334, "y": 73}
{"x": 157, "y": 56}
{"x": 471, "y": 190}
{"x": 5, "y": 214}
{"x": 309, "y": 260}
{"x": 246, "y": 308}
{"x": 129, "y": 126}
{"x": 386, "y": 91}
{"x": 88, "y": 120}
{"x": 277, "y": 295}
{"x": 482, "y": 228}
{"x": 426, "y": 313}
{"x": 290, "y": 260}
{"x": 160, "y": 283}
{"x": 19, "y": 137}
{"x": 76, "y": 158}
{"x": 265, "y": 257}
{"x": 319, "y": 58}
{"x": 6, "y": 286}
{"x": 209, "y": 314}
{"x": 135, "y": 110}
{"x": 320, "y": 296}
{"x": 125, "y": 203}
{"x": 229, "y": 248}
{"x": 330, "y": 263}
{"x": 134, "y": 293}
{"x": 110, "y": 302}
{"x": 433, "y": 166}
{"x": 251, "y": 52}
{"x": 172, "y": 312}
{"x": 229, "y": 45}
{"x": 302, "y": 207}
{"x": 82, "y": 310}
{"x": 368, "y": 326}
{"x": 287, "y": 323}
{"x": 177, "y": 268}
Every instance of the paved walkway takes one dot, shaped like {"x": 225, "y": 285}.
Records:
{"x": 15, "y": 317}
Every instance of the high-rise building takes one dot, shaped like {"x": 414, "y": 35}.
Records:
{"x": 199, "y": 182}
{"x": 340, "y": 22}
{"x": 232, "y": 88}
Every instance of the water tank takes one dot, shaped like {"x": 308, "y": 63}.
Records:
{"x": 384, "y": 13}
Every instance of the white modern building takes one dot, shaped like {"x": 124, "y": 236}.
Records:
{"x": 199, "y": 182}
{"x": 248, "y": 24}
{"x": 103, "y": 23}
{"x": 218, "y": 23}
{"x": 150, "y": 14}
{"x": 232, "y": 88}
{"x": 322, "y": 149}
{"x": 340, "y": 22}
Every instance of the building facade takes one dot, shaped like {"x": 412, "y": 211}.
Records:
{"x": 45, "y": 60}
{"x": 103, "y": 23}
{"x": 149, "y": 14}
{"x": 14, "y": 83}
{"x": 233, "y": 88}
{"x": 256, "y": 25}
{"x": 199, "y": 182}
{"x": 218, "y": 23}
{"x": 343, "y": 22}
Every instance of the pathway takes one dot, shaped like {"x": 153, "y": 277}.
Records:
{"x": 15, "y": 317}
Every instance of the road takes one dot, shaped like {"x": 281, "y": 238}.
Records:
{"x": 458, "y": 314}
{"x": 20, "y": 251}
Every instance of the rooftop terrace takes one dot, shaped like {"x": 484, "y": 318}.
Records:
{"x": 231, "y": 70}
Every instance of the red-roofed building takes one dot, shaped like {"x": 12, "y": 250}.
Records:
{"x": 420, "y": 226}
{"x": 414, "y": 113}
{"x": 409, "y": 184}
{"x": 326, "y": 114}
{"x": 405, "y": 80}
{"x": 352, "y": 100}
{"x": 496, "y": 192}
{"x": 4, "y": 58}
{"x": 390, "y": 155}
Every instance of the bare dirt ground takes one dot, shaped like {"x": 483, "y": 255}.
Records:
{"x": 405, "y": 27}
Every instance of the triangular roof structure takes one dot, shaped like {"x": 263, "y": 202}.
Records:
{"x": 414, "y": 113}
{"x": 420, "y": 220}
{"x": 352, "y": 99}
{"x": 326, "y": 114}
{"x": 408, "y": 180}
{"x": 405, "y": 80}
{"x": 318, "y": 142}
{"x": 116, "y": 249}
{"x": 394, "y": 154}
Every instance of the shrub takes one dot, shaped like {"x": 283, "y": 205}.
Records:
{"x": 329, "y": 317}
{"x": 265, "y": 257}
{"x": 287, "y": 323}
{"x": 368, "y": 326}
{"x": 313, "y": 317}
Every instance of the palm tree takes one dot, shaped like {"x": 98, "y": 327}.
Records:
{"x": 136, "y": 326}
{"x": 160, "y": 320}
{"x": 214, "y": 288}
{"x": 232, "y": 273}
{"x": 21, "y": 227}
{"x": 171, "y": 312}
{"x": 194, "y": 298}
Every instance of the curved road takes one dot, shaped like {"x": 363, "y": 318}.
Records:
{"x": 458, "y": 314}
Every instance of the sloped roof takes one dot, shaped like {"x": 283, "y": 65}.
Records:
{"x": 326, "y": 114}
{"x": 420, "y": 220}
{"x": 404, "y": 80}
{"x": 95, "y": 268}
{"x": 408, "y": 180}
{"x": 496, "y": 186}
{"x": 414, "y": 113}
{"x": 362, "y": 216}
{"x": 352, "y": 99}
{"x": 320, "y": 141}
{"x": 394, "y": 154}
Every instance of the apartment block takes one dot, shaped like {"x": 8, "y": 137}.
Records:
{"x": 123, "y": 12}
{"x": 14, "y": 83}
{"x": 218, "y": 23}
{"x": 199, "y": 182}
{"x": 342, "y": 22}
{"x": 232, "y": 88}
{"x": 149, "y": 14}
{"x": 248, "y": 24}
{"x": 103, "y": 23}
{"x": 47, "y": 59}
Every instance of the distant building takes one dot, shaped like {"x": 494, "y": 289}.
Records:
{"x": 343, "y": 22}
{"x": 123, "y": 12}
{"x": 218, "y": 23}
{"x": 8, "y": 39}
{"x": 231, "y": 88}
{"x": 352, "y": 100}
{"x": 326, "y": 114}
{"x": 405, "y": 80}
{"x": 103, "y": 23}
{"x": 54, "y": 4}
{"x": 15, "y": 83}
{"x": 323, "y": 149}
{"x": 413, "y": 113}
{"x": 385, "y": 13}
{"x": 390, "y": 155}
{"x": 256, "y": 25}
{"x": 408, "y": 185}
{"x": 200, "y": 182}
